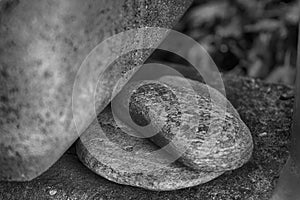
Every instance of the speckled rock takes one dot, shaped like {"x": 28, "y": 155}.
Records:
{"x": 211, "y": 143}
{"x": 124, "y": 159}
{"x": 206, "y": 134}
{"x": 43, "y": 43}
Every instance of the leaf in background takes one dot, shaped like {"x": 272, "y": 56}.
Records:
{"x": 259, "y": 56}
{"x": 256, "y": 69}
{"x": 233, "y": 29}
{"x": 207, "y": 13}
{"x": 254, "y": 9}
{"x": 265, "y": 25}
{"x": 293, "y": 13}
{"x": 283, "y": 74}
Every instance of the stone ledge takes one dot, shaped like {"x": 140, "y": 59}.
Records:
{"x": 257, "y": 102}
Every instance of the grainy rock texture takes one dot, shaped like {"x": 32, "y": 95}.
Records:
{"x": 43, "y": 43}
{"x": 207, "y": 134}
{"x": 124, "y": 159}
{"x": 259, "y": 106}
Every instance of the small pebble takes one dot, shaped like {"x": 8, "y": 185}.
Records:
{"x": 263, "y": 134}
{"x": 128, "y": 148}
{"x": 52, "y": 192}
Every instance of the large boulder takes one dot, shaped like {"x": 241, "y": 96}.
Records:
{"x": 42, "y": 46}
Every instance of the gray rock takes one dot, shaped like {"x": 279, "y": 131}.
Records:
{"x": 108, "y": 151}
{"x": 182, "y": 114}
{"x": 205, "y": 134}
{"x": 43, "y": 43}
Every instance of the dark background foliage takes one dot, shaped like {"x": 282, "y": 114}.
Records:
{"x": 256, "y": 38}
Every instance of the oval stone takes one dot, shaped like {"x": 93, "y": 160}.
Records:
{"x": 204, "y": 139}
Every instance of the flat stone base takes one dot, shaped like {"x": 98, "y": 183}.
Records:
{"x": 267, "y": 117}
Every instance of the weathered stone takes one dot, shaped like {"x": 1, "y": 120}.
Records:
{"x": 206, "y": 134}
{"x": 261, "y": 109}
{"x": 176, "y": 112}
{"x": 124, "y": 159}
{"x": 43, "y": 43}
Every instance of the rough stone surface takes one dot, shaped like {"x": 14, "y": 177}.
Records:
{"x": 259, "y": 106}
{"x": 204, "y": 134}
{"x": 125, "y": 159}
{"x": 42, "y": 46}
{"x": 223, "y": 142}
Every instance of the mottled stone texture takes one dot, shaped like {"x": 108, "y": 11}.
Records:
{"x": 258, "y": 104}
{"x": 182, "y": 111}
{"x": 43, "y": 43}
{"x": 125, "y": 159}
{"x": 207, "y": 139}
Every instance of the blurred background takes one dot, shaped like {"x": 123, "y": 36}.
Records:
{"x": 256, "y": 38}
